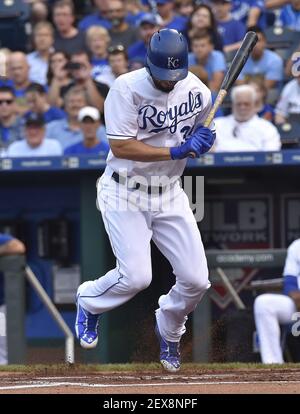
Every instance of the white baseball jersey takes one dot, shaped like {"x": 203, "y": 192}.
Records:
{"x": 135, "y": 108}
{"x": 292, "y": 263}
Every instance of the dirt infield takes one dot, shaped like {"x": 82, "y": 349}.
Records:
{"x": 195, "y": 380}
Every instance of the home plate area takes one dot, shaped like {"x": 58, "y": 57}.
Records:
{"x": 189, "y": 381}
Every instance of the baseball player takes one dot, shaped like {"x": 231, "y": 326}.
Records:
{"x": 154, "y": 119}
{"x": 8, "y": 245}
{"x": 273, "y": 310}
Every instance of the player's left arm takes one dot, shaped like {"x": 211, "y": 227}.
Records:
{"x": 134, "y": 150}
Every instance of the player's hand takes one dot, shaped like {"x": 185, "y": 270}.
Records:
{"x": 198, "y": 143}
{"x": 192, "y": 145}
{"x": 205, "y": 136}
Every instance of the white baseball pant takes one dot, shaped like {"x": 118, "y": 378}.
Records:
{"x": 171, "y": 225}
{"x": 271, "y": 311}
{"x": 3, "y": 339}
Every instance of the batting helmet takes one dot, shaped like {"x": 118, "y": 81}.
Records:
{"x": 167, "y": 55}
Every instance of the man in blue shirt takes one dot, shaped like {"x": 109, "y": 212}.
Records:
{"x": 8, "y": 246}
{"x": 290, "y": 15}
{"x": 213, "y": 61}
{"x": 36, "y": 99}
{"x": 166, "y": 10}
{"x": 231, "y": 30}
{"x": 148, "y": 24}
{"x": 250, "y": 12}
{"x": 263, "y": 63}
{"x": 89, "y": 118}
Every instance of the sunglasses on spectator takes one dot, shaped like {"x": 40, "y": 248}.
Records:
{"x": 7, "y": 101}
{"x": 117, "y": 48}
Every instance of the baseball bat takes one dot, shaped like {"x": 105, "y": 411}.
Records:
{"x": 233, "y": 72}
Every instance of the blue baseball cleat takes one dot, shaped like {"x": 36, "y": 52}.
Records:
{"x": 169, "y": 353}
{"x": 86, "y": 327}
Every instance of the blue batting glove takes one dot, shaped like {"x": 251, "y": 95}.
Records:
{"x": 205, "y": 136}
{"x": 199, "y": 142}
{"x": 192, "y": 145}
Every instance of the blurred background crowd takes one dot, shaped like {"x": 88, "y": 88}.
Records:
{"x": 58, "y": 60}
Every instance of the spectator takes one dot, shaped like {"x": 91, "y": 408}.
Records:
{"x": 148, "y": 25}
{"x": 243, "y": 130}
{"x": 8, "y": 246}
{"x": 89, "y": 118}
{"x": 67, "y": 131}
{"x": 37, "y": 102}
{"x": 38, "y": 60}
{"x": 35, "y": 144}
{"x": 67, "y": 37}
{"x": 39, "y": 13}
{"x": 98, "y": 40}
{"x": 10, "y": 124}
{"x": 134, "y": 11}
{"x": 80, "y": 70}
{"x": 211, "y": 60}
{"x": 18, "y": 72}
{"x": 272, "y": 310}
{"x": 118, "y": 61}
{"x": 263, "y": 63}
{"x": 289, "y": 101}
{"x": 171, "y": 20}
{"x": 185, "y": 7}
{"x": 290, "y": 15}
{"x": 250, "y": 12}
{"x": 58, "y": 77}
{"x": 203, "y": 19}
{"x": 264, "y": 110}
{"x": 231, "y": 30}
{"x": 98, "y": 18}
{"x": 120, "y": 33}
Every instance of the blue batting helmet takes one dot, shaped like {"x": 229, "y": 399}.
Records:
{"x": 167, "y": 55}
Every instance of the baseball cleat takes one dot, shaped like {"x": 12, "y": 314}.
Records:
{"x": 86, "y": 327}
{"x": 169, "y": 353}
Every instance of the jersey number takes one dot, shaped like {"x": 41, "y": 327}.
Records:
{"x": 185, "y": 132}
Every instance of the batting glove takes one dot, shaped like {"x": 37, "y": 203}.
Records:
{"x": 198, "y": 143}
{"x": 205, "y": 136}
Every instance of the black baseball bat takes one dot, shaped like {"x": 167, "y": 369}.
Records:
{"x": 232, "y": 74}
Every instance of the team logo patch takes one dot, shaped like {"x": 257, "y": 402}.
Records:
{"x": 173, "y": 63}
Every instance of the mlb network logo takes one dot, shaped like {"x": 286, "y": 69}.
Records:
{"x": 2, "y": 324}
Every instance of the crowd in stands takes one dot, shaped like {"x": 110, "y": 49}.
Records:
{"x": 53, "y": 84}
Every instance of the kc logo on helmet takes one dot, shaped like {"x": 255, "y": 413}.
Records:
{"x": 173, "y": 63}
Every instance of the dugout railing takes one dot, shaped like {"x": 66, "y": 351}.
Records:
{"x": 16, "y": 271}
